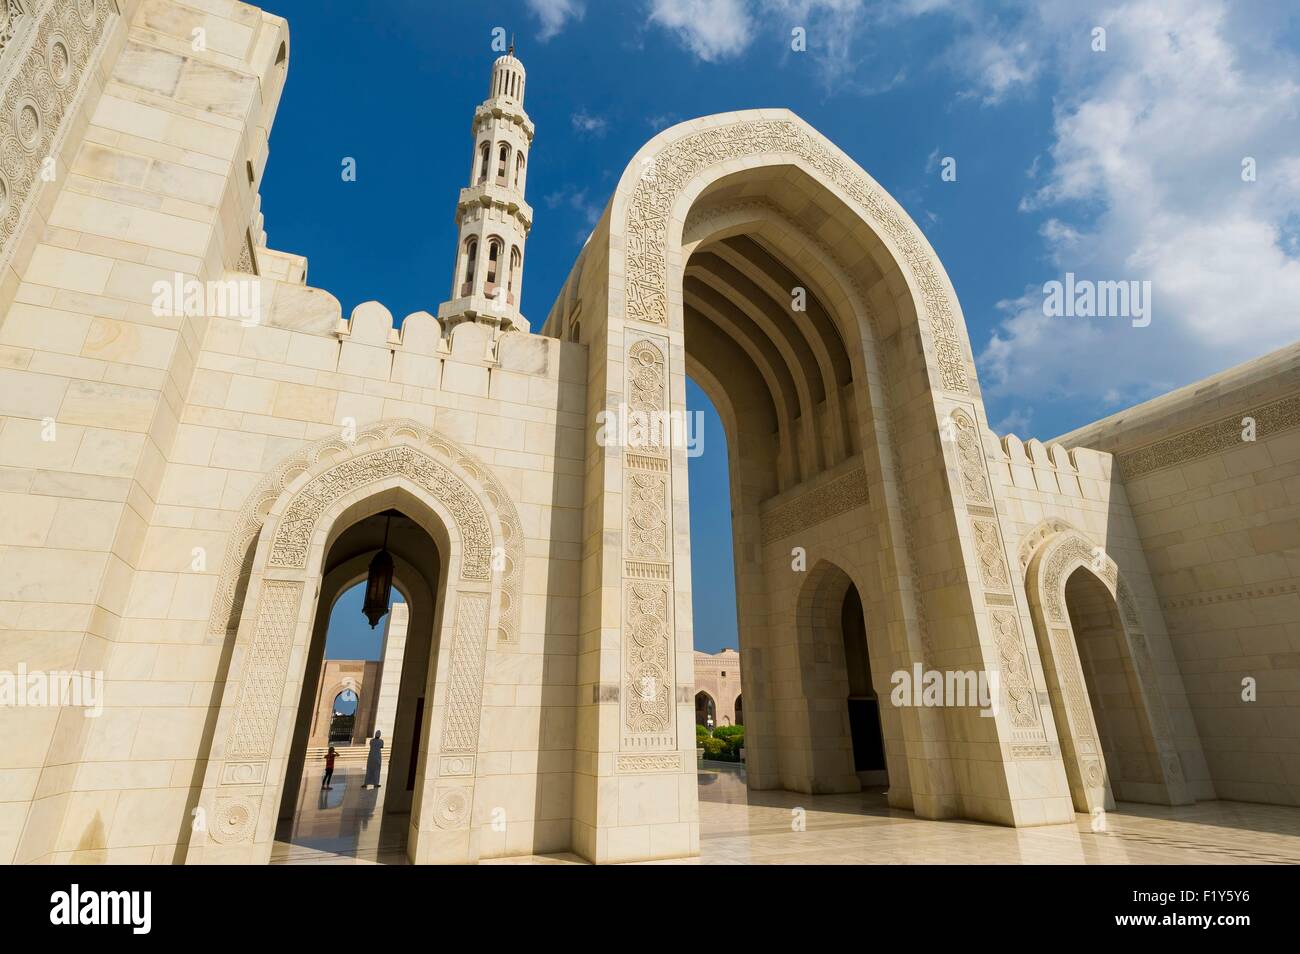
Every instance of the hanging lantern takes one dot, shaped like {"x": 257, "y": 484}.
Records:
{"x": 379, "y": 584}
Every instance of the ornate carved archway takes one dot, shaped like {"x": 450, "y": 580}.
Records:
{"x": 323, "y": 488}
{"x": 1050, "y": 555}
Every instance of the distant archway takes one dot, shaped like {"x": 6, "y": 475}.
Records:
{"x": 706, "y": 710}
{"x": 343, "y": 717}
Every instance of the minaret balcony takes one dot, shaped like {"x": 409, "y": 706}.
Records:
{"x": 492, "y": 311}
{"x": 490, "y": 194}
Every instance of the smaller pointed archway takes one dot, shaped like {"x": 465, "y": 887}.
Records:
{"x": 1112, "y": 719}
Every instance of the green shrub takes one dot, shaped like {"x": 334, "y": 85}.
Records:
{"x": 701, "y": 733}
{"x": 713, "y": 748}
{"x": 729, "y": 732}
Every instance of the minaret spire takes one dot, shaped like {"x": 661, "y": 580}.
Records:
{"x": 492, "y": 216}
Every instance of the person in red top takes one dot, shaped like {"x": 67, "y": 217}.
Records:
{"x": 330, "y": 756}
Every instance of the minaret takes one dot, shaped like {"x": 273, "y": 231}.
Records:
{"x": 492, "y": 215}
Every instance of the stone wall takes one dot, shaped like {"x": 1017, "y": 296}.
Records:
{"x": 1218, "y": 519}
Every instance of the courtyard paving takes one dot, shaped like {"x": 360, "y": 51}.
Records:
{"x": 738, "y": 826}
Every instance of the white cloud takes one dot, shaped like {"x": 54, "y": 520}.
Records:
{"x": 584, "y": 122}
{"x": 554, "y": 14}
{"x": 711, "y": 29}
{"x": 1016, "y": 422}
{"x": 1145, "y": 181}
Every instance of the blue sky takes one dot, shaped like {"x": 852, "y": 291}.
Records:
{"x": 1116, "y": 164}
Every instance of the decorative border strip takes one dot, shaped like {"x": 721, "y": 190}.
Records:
{"x": 816, "y": 506}
{"x": 1280, "y": 589}
{"x": 1272, "y": 418}
{"x": 669, "y": 172}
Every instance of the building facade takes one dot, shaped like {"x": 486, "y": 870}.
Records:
{"x": 199, "y": 452}
{"x": 717, "y": 688}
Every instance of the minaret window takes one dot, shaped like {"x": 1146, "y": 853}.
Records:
{"x": 519, "y": 170}
{"x": 503, "y": 165}
{"x": 494, "y": 258}
{"x": 471, "y": 262}
{"x": 484, "y": 159}
{"x": 516, "y": 259}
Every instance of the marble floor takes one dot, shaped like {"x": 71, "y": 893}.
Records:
{"x": 738, "y": 826}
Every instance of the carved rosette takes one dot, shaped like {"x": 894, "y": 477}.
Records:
{"x": 234, "y": 819}
{"x": 670, "y": 172}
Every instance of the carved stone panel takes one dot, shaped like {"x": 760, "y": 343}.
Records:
{"x": 816, "y": 506}
{"x": 465, "y": 691}
{"x": 294, "y": 532}
{"x": 262, "y": 684}
{"x": 46, "y": 52}
{"x": 1017, "y": 680}
{"x": 647, "y": 651}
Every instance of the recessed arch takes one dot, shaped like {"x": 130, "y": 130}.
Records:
{"x": 1111, "y": 716}
{"x": 325, "y": 490}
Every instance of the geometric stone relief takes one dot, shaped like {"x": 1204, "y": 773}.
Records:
{"x": 647, "y": 652}
{"x": 647, "y": 536}
{"x": 1063, "y": 555}
{"x": 465, "y": 689}
{"x": 646, "y": 764}
{"x": 1215, "y": 437}
{"x": 222, "y": 621}
{"x": 991, "y": 555}
{"x": 294, "y": 531}
{"x": 671, "y": 170}
{"x": 1035, "y": 537}
{"x": 970, "y": 460}
{"x": 1067, "y": 669}
{"x": 816, "y": 506}
{"x": 1017, "y": 679}
{"x": 45, "y": 64}
{"x": 262, "y": 682}
{"x": 648, "y": 695}
{"x": 988, "y": 548}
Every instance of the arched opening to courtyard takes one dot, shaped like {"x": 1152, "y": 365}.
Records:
{"x": 778, "y": 354}
{"x": 386, "y": 669}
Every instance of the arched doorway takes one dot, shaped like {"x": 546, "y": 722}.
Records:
{"x": 391, "y": 665}
{"x": 401, "y": 467}
{"x": 839, "y": 699}
{"x": 706, "y": 711}
{"x": 865, "y": 733}
{"x": 343, "y": 717}
{"x": 1116, "y": 739}
{"x": 747, "y": 253}
{"x": 740, "y": 711}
